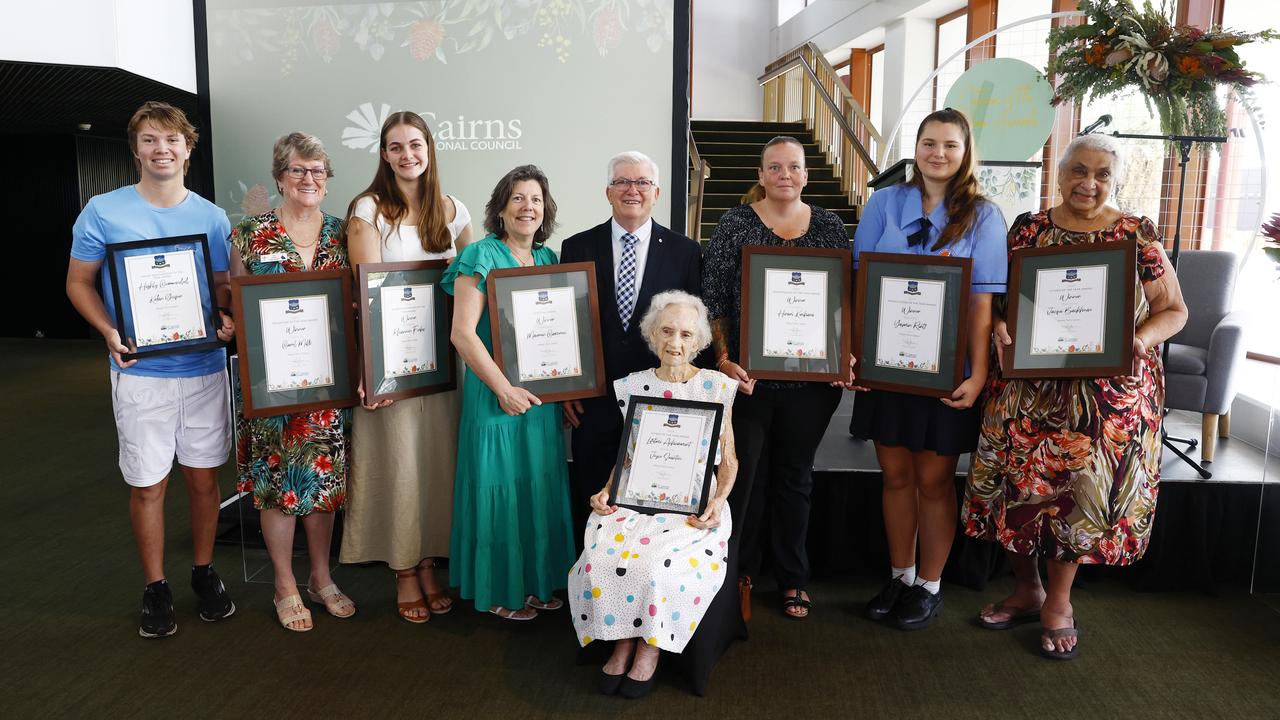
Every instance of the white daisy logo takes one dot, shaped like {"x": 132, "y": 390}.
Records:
{"x": 367, "y": 132}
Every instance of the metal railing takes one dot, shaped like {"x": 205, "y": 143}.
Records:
{"x": 699, "y": 171}
{"x": 801, "y": 86}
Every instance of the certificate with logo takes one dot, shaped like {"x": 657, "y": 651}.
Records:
{"x": 546, "y": 333}
{"x": 912, "y": 311}
{"x": 1070, "y": 311}
{"x": 405, "y": 321}
{"x": 796, "y": 313}
{"x": 166, "y": 293}
{"x": 666, "y": 460}
{"x": 545, "y": 325}
{"x": 911, "y": 319}
{"x": 795, "y": 309}
{"x": 295, "y": 341}
{"x": 162, "y": 295}
{"x": 408, "y": 338}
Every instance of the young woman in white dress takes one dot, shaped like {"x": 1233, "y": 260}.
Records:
{"x": 400, "y": 492}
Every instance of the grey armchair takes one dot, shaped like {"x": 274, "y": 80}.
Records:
{"x": 1206, "y": 356}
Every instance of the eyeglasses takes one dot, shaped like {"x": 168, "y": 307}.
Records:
{"x": 642, "y": 185}
{"x": 297, "y": 173}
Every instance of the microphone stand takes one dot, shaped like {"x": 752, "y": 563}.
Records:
{"x": 1184, "y": 156}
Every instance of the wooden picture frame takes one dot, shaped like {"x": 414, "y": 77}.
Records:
{"x": 420, "y": 376}
{"x": 324, "y": 290}
{"x": 565, "y": 361}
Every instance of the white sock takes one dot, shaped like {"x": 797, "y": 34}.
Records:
{"x": 907, "y": 575}
{"x": 933, "y": 586}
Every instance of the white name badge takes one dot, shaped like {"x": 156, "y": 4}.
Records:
{"x": 273, "y": 257}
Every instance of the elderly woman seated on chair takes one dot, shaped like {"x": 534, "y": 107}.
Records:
{"x": 645, "y": 581}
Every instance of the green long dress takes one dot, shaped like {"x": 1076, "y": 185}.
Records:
{"x": 512, "y": 535}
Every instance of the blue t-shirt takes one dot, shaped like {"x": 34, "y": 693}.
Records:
{"x": 124, "y": 216}
{"x": 895, "y": 212}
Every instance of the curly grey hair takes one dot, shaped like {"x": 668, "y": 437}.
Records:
{"x": 1101, "y": 143}
{"x": 676, "y": 297}
{"x": 306, "y": 147}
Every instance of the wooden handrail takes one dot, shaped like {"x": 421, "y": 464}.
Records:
{"x": 817, "y": 97}
{"x": 700, "y": 170}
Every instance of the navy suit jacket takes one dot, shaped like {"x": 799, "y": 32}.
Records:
{"x": 674, "y": 262}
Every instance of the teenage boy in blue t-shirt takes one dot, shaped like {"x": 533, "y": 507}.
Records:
{"x": 172, "y": 404}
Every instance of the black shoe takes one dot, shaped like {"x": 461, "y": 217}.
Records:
{"x": 636, "y": 689}
{"x": 215, "y": 603}
{"x": 879, "y": 607}
{"x": 917, "y": 608}
{"x": 157, "y": 611}
{"x": 609, "y": 683}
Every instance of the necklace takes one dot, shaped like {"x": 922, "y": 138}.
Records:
{"x": 519, "y": 260}
{"x": 300, "y": 221}
{"x": 688, "y": 372}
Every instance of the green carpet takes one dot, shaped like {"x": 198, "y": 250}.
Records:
{"x": 71, "y": 588}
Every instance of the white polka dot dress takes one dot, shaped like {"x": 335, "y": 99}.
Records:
{"x": 651, "y": 576}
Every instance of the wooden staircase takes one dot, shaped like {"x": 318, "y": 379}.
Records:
{"x": 733, "y": 150}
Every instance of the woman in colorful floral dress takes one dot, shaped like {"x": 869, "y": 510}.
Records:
{"x": 1069, "y": 469}
{"x": 295, "y": 465}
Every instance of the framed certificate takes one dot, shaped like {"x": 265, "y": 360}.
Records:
{"x": 910, "y": 329}
{"x": 545, "y": 325}
{"x": 796, "y": 313}
{"x": 163, "y": 293}
{"x": 404, "y": 330}
{"x": 667, "y": 455}
{"x": 1070, "y": 311}
{"x": 295, "y": 336}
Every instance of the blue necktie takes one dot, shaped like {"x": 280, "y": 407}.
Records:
{"x": 627, "y": 280}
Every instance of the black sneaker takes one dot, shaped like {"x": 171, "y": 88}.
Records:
{"x": 157, "y": 611}
{"x": 879, "y": 607}
{"x": 215, "y": 603}
{"x": 917, "y": 608}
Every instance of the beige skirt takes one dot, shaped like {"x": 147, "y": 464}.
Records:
{"x": 400, "y": 486}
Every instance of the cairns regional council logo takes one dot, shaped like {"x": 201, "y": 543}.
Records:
{"x": 913, "y": 288}
{"x": 1073, "y": 275}
{"x": 544, "y": 298}
{"x": 450, "y": 133}
{"x": 796, "y": 279}
{"x": 673, "y": 420}
{"x": 294, "y": 307}
{"x": 158, "y": 262}
{"x": 408, "y": 295}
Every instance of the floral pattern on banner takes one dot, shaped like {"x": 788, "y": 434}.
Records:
{"x": 295, "y": 463}
{"x": 436, "y": 31}
{"x": 1070, "y": 469}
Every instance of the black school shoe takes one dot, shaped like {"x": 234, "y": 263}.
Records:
{"x": 215, "y": 603}
{"x": 157, "y": 611}
{"x": 917, "y": 608}
{"x": 880, "y": 606}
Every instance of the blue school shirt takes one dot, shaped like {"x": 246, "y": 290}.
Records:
{"x": 896, "y": 212}
{"x": 123, "y": 215}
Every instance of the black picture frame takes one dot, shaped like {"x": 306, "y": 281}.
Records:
{"x": 119, "y": 253}
{"x": 632, "y": 436}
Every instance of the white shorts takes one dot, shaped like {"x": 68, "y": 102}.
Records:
{"x": 158, "y": 418}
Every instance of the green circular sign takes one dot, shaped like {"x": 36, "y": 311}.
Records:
{"x": 1007, "y": 102}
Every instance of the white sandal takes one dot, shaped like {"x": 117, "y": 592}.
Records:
{"x": 509, "y": 614}
{"x": 533, "y": 603}
{"x": 290, "y": 610}
{"x": 334, "y": 600}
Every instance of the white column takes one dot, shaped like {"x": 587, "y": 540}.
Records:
{"x": 908, "y": 60}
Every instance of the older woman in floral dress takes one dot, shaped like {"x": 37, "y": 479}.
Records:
{"x": 1069, "y": 469}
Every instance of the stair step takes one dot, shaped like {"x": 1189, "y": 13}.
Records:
{"x": 708, "y": 228}
{"x": 752, "y": 161}
{"x": 721, "y": 146}
{"x": 728, "y": 172}
{"x": 754, "y": 137}
{"x": 711, "y": 214}
{"x": 717, "y": 184}
{"x": 777, "y": 128}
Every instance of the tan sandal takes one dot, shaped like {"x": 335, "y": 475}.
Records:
{"x": 405, "y": 608}
{"x": 439, "y": 602}
{"x": 290, "y": 610}
{"x": 334, "y": 600}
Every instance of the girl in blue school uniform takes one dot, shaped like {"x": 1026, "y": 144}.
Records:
{"x": 918, "y": 439}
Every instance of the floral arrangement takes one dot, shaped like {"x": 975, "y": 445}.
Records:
{"x": 1178, "y": 68}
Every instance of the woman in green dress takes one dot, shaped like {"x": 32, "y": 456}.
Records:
{"x": 512, "y": 537}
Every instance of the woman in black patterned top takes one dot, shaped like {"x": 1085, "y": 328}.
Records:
{"x": 782, "y": 422}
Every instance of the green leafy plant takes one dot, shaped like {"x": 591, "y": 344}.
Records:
{"x": 1271, "y": 232}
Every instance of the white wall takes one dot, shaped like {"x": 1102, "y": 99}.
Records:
{"x": 152, "y": 38}
{"x": 730, "y": 50}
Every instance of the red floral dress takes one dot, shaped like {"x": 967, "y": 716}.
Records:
{"x": 294, "y": 463}
{"x": 1070, "y": 468}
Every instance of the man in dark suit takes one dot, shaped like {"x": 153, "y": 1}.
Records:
{"x": 636, "y": 258}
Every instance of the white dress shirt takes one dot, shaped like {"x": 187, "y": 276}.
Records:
{"x": 642, "y": 252}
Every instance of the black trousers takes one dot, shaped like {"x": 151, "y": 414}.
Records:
{"x": 777, "y": 433}
{"x": 595, "y": 450}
